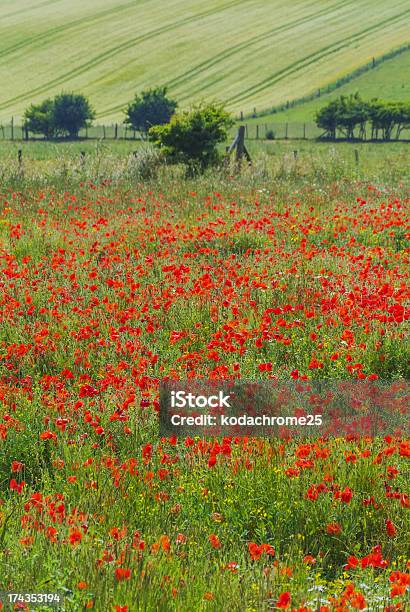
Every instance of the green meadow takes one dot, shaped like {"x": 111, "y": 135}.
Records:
{"x": 249, "y": 53}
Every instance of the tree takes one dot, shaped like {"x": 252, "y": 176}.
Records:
{"x": 352, "y": 112}
{"x": 192, "y": 136}
{"x": 375, "y": 109}
{"x": 39, "y": 118}
{"x": 71, "y": 113}
{"x": 327, "y": 118}
{"x": 402, "y": 117}
{"x": 151, "y": 107}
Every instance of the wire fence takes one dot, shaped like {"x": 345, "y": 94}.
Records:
{"x": 282, "y": 131}
{"x": 254, "y": 130}
{"x": 115, "y": 131}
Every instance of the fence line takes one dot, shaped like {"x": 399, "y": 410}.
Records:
{"x": 253, "y": 131}
{"x": 329, "y": 88}
{"x": 115, "y": 131}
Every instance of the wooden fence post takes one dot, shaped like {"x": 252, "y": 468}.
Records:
{"x": 12, "y": 128}
{"x": 286, "y": 131}
{"x": 239, "y": 145}
{"x": 116, "y": 131}
{"x": 241, "y": 142}
{"x": 304, "y": 131}
{"x": 356, "y": 156}
{"x": 257, "y": 132}
{"x": 104, "y": 135}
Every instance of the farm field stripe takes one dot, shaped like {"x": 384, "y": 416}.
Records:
{"x": 244, "y": 45}
{"x": 342, "y": 82}
{"x": 110, "y": 53}
{"x": 194, "y": 71}
{"x": 33, "y": 8}
{"x": 307, "y": 61}
{"x": 53, "y": 32}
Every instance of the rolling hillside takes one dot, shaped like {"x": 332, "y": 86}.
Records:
{"x": 390, "y": 80}
{"x": 250, "y": 53}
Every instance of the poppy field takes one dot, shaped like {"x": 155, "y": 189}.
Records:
{"x": 108, "y": 287}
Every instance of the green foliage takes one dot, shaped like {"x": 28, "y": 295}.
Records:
{"x": 64, "y": 115}
{"x": 327, "y": 118}
{"x": 192, "y": 136}
{"x": 39, "y": 118}
{"x": 71, "y": 113}
{"x": 350, "y": 114}
{"x": 385, "y": 116}
{"x": 151, "y": 107}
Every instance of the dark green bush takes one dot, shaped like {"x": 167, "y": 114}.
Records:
{"x": 349, "y": 116}
{"x": 71, "y": 113}
{"x": 151, "y": 107}
{"x": 39, "y": 118}
{"x": 192, "y": 136}
{"x": 64, "y": 115}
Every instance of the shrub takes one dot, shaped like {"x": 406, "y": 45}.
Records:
{"x": 64, "y": 115}
{"x": 39, "y": 118}
{"x": 71, "y": 113}
{"x": 151, "y": 107}
{"x": 327, "y": 118}
{"x": 270, "y": 135}
{"x": 192, "y": 136}
{"x": 349, "y": 113}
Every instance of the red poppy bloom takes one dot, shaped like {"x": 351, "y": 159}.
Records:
{"x": 214, "y": 540}
{"x": 333, "y": 528}
{"x": 122, "y": 573}
{"x": 16, "y": 486}
{"x": 390, "y": 528}
{"x": 284, "y": 600}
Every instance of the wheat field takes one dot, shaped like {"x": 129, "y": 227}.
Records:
{"x": 249, "y": 53}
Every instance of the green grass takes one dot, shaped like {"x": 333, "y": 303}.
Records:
{"x": 274, "y": 162}
{"x": 250, "y": 53}
{"x": 389, "y": 80}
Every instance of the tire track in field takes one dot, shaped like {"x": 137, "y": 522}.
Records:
{"x": 310, "y": 59}
{"x": 110, "y": 53}
{"x": 56, "y": 31}
{"x": 33, "y": 8}
{"x": 216, "y": 59}
{"x": 251, "y": 41}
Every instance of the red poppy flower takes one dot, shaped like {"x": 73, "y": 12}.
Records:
{"x": 214, "y": 540}
{"x": 333, "y": 528}
{"x": 390, "y": 528}
{"x": 122, "y": 573}
{"x": 284, "y": 600}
